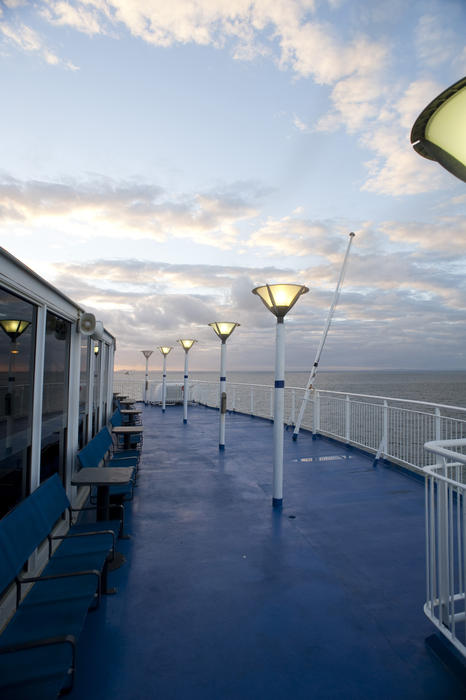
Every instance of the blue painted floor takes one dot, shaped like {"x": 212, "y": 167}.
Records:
{"x": 223, "y": 597}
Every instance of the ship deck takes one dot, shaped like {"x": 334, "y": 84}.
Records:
{"x": 223, "y": 597}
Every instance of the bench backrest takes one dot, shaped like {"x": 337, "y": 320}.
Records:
{"x": 117, "y": 418}
{"x": 91, "y": 454}
{"x": 28, "y": 524}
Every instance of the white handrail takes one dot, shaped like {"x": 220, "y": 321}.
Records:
{"x": 446, "y": 541}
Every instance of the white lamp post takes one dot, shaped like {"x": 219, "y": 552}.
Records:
{"x": 223, "y": 329}
{"x": 439, "y": 132}
{"x": 186, "y": 344}
{"x": 147, "y": 354}
{"x": 279, "y": 299}
{"x": 164, "y": 349}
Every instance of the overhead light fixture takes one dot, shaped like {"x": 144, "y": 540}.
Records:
{"x": 439, "y": 132}
{"x": 280, "y": 298}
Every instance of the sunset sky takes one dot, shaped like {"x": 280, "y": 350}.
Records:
{"x": 160, "y": 159}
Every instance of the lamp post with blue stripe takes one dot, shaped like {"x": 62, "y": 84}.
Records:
{"x": 186, "y": 344}
{"x": 147, "y": 354}
{"x": 279, "y": 299}
{"x": 223, "y": 329}
{"x": 164, "y": 349}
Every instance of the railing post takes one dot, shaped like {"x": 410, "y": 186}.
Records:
{"x": 316, "y": 414}
{"x": 385, "y": 428}
{"x": 443, "y": 565}
{"x": 293, "y": 407}
{"x": 271, "y": 403}
{"x": 437, "y": 425}
{"x": 252, "y": 401}
{"x": 233, "y": 400}
{"x": 347, "y": 419}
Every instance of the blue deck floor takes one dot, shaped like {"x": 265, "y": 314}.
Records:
{"x": 223, "y": 597}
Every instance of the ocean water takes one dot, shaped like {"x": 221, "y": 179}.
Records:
{"x": 442, "y": 387}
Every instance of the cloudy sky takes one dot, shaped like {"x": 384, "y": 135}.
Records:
{"x": 160, "y": 159}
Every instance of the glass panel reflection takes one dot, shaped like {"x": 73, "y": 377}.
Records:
{"x": 17, "y": 333}
{"x": 55, "y": 396}
{"x": 83, "y": 390}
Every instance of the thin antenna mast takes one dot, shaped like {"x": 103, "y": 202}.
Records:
{"x": 322, "y": 340}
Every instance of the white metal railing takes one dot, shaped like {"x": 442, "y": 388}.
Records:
{"x": 391, "y": 428}
{"x": 429, "y": 438}
{"x": 445, "y": 540}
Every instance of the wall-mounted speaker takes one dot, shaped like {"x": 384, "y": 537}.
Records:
{"x": 87, "y": 324}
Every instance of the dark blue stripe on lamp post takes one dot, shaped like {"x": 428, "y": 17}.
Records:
{"x": 279, "y": 384}
{"x": 185, "y": 376}
{"x": 223, "y": 379}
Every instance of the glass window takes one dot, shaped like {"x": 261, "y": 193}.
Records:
{"x": 105, "y": 384}
{"x": 17, "y": 333}
{"x": 83, "y": 391}
{"x": 97, "y": 349}
{"x": 55, "y": 396}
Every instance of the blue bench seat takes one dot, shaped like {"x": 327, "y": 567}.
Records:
{"x": 41, "y": 636}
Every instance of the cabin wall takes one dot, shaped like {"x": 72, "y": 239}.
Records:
{"x": 55, "y": 388}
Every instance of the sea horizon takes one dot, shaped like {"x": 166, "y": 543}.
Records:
{"x": 445, "y": 386}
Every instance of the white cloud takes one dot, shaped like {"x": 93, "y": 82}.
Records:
{"x": 300, "y": 125}
{"x": 397, "y": 169}
{"x": 389, "y": 302}
{"x": 26, "y": 39}
{"x": 82, "y": 17}
{"x": 127, "y": 210}
{"x": 435, "y": 41}
{"x": 369, "y": 96}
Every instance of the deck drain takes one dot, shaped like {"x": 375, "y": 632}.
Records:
{"x": 292, "y": 517}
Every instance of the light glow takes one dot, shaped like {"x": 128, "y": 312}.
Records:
{"x": 165, "y": 349}
{"x": 447, "y": 126}
{"x": 280, "y": 298}
{"x": 439, "y": 132}
{"x": 14, "y": 328}
{"x": 187, "y": 343}
{"x": 223, "y": 328}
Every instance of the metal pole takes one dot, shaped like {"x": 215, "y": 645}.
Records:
{"x": 146, "y": 382}
{"x": 323, "y": 339}
{"x": 347, "y": 419}
{"x": 185, "y": 391}
{"x": 147, "y": 354}
{"x": 223, "y": 395}
{"x": 164, "y": 383}
{"x": 279, "y": 414}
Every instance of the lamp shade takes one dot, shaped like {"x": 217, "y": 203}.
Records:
{"x": 165, "y": 349}
{"x": 223, "y": 328}
{"x": 147, "y": 353}
{"x": 187, "y": 343}
{"x": 14, "y": 328}
{"x": 439, "y": 132}
{"x": 280, "y": 298}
